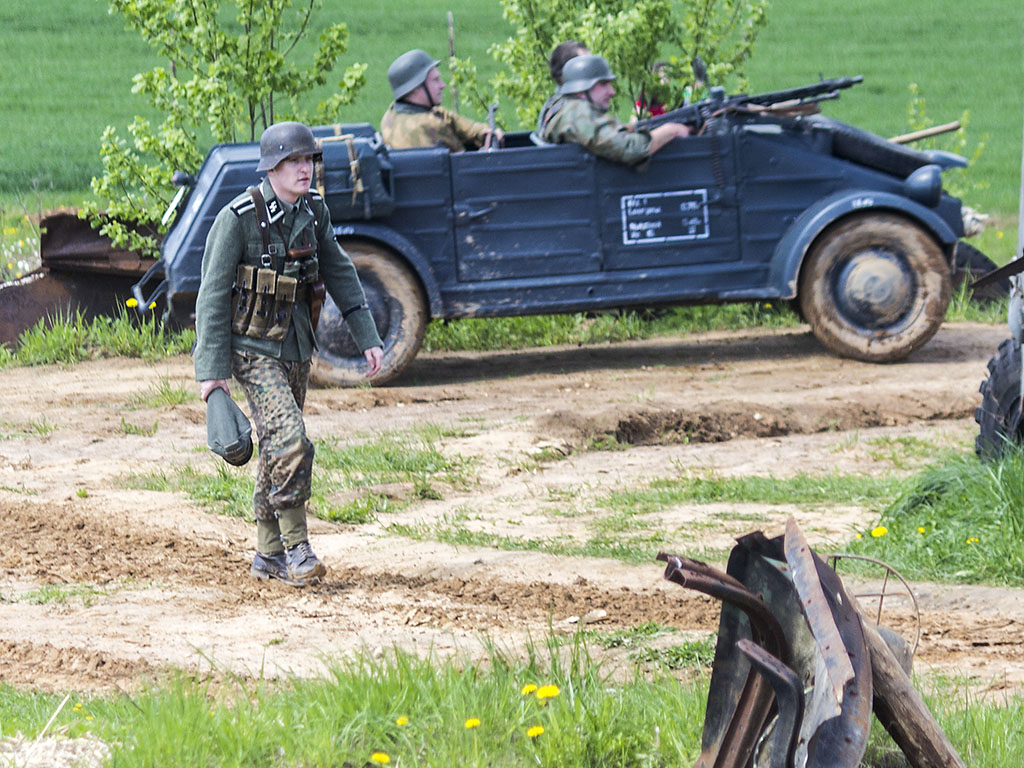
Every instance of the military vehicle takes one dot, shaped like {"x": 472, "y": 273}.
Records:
{"x": 768, "y": 201}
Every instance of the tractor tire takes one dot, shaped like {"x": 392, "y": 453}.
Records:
{"x": 999, "y": 415}
{"x": 874, "y": 287}
{"x": 399, "y": 309}
{"x": 871, "y": 150}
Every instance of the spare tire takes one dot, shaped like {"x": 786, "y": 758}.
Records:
{"x": 869, "y": 149}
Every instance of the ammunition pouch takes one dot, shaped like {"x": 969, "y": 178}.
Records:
{"x": 263, "y": 303}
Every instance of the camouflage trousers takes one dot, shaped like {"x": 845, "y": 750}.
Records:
{"x": 276, "y": 391}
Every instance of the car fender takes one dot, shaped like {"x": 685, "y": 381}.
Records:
{"x": 400, "y": 245}
{"x": 792, "y": 248}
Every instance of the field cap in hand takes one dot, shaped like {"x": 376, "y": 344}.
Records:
{"x": 228, "y": 432}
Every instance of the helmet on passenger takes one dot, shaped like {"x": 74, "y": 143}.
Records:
{"x": 409, "y": 71}
{"x": 582, "y": 73}
{"x": 284, "y": 140}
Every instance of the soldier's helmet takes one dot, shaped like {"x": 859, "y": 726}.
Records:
{"x": 283, "y": 140}
{"x": 409, "y": 71}
{"x": 581, "y": 73}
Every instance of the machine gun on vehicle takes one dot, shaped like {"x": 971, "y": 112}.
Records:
{"x": 788, "y": 101}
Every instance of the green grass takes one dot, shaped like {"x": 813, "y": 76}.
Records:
{"x": 411, "y": 460}
{"x": 960, "y": 520}
{"x": 416, "y": 712}
{"x": 802, "y": 489}
{"x": 71, "y": 339}
{"x": 59, "y": 594}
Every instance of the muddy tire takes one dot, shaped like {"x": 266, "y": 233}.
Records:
{"x": 999, "y": 416}
{"x": 874, "y": 287}
{"x": 399, "y": 309}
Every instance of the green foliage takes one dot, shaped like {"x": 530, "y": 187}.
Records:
{"x": 227, "y": 77}
{"x": 961, "y": 520}
{"x": 631, "y": 35}
{"x": 955, "y": 181}
{"x": 69, "y": 339}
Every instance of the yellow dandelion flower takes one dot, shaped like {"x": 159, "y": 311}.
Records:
{"x": 10, "y": 230}
{"x": 973, "y": 540}
{"x": 473, "y": 722}
{"x": 859, "y": 536}
{"x": 879, "y": 531}
{"x": 535, "y": 731}
{"x": 999, "y": 235}
{"x": 152, "y": 305}
{"x": 131, "y": 303}
{"x": 528, "y": 689}
{"x": 403, "y": 720}
{"x": 88, "y": 717}
{"x": 547, "y": 692}
{"x": 920, "y": 529}
{"x": 380, "y": 757}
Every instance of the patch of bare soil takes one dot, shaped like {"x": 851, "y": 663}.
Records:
{"x": 150, "y": 582}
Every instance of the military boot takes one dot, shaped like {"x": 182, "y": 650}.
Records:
{"x": 304, "y": 567}
{"x": 273, "y": 566}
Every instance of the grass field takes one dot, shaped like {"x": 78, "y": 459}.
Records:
{"x": 70, "y": 65}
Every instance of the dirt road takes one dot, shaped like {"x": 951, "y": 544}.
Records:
{"x": 150, "y": 580}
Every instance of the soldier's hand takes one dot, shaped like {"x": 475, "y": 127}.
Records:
{"x": 374, "y": 356}
{"x": 207, "y": 386}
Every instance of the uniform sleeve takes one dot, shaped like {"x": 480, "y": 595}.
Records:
{"x": 577, "y": 123}
{"x": 343, "y": 284}
{"x": 224, "y": 249}
{"x": 470, "y": 132}
{"x": 609, "y": 139}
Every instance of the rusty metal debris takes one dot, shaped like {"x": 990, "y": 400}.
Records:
{"x": 798, "y": 671}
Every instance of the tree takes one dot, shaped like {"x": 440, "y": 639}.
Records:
{"x": 227, "y": 78}
{"x": 631, "y": 35}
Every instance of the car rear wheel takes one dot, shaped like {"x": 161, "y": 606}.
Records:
{"x": 399, "y": 309}
{"x": 874, "y": 287}
{"x": 999, "y": 415}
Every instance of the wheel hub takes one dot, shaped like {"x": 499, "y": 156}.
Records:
{"x": 874, "y": 289}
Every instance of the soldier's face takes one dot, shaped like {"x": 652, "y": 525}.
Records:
{"x": 601, "y": 95}
{"x": 435, "y": 85}
{"x": 292, "y": 177}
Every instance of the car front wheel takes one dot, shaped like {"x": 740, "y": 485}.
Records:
{"x": 399, "y": 310}
{"x": 874, "y": 287}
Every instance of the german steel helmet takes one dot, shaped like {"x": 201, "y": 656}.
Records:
{"x": 581, "y": 73}
{"x": 283, "y": 140}
{"x": 409, "y": 71}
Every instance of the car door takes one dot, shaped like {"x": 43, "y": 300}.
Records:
{"x": 676, "y": 220}
{"x": 526, "y": 214}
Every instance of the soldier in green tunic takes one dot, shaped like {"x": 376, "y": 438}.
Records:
{"x": 416, "y": 117}
{"x": 255, "y": 311}
{"x": 580, "y": 116}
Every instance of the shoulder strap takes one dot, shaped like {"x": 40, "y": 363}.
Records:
{"x": 263, "y": 218}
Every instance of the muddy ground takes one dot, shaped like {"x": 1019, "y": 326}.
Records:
{"x": 150, "y": 581}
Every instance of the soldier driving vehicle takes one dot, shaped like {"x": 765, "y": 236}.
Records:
{"x": 269, "y": 255}
{"x": 765, "y": 201}
{"x": 416, "y": 117}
